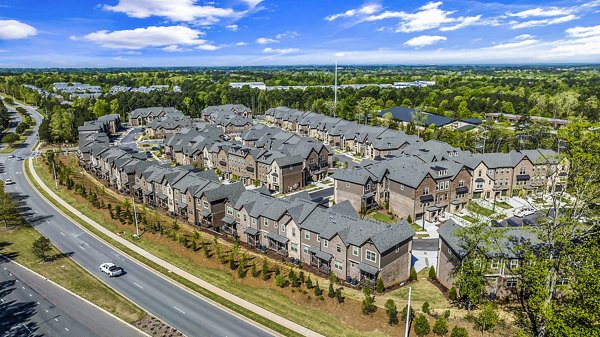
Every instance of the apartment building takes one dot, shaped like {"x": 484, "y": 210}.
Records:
{"x": 144, "y": 116}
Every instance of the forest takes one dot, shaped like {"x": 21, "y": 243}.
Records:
{"x": 460, "y": 91}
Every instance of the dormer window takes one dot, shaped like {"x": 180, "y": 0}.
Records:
{"x": 426, "y": 191}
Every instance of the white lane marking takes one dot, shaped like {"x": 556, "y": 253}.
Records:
{"x": 63, "y": 234}
{"x": 30, "y": 295}
{"x": 181, "y": 311}
{"x": 23, "y": 287}
{"x": 46, "y": 310}
{"x": 139, "y": 286}
{"x": 56, "y": 319}
{"x": 67, "y": 329}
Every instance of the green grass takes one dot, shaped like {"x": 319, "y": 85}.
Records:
{"x": 315, "y": 319}
{"x": 422, "y": 290}
{"x": 475, "y": 208}
{"x": 416, "y": 227}
{"x": 469, "y": 218}
{"x": 11, "y": 148}
{"x": 68, "y": 274}
{"x": 503, "y": 204}
{"x": 381, "y": 217}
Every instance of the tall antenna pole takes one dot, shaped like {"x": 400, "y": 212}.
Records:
{"x": 407, "y": 330}
{"x": 335, "y": 91}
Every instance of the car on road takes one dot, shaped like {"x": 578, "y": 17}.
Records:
{"x": 111, "y": 269}
{"x": 155, "y": 148}
{"x": 148, "y": 154}
{"x": 11, "y": 156}
{"x": 8, "y": 182}
{"x": 19, "y": 158}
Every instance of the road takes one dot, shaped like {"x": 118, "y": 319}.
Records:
{"x": 346, "y": 159}
{"x": 320, "y": 194}
{"x": 32, "y": 306}
{"x": 425, "y": 244}
{"x": 190, "y": 314}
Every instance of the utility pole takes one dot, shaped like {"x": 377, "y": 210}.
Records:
{"x": 335, "y": 91}
{"x": 137, "y": 228}
{"x": 54, "y": 169}
{"x": 408, "y": 313}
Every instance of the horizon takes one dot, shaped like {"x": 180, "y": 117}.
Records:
{"x": 191, "y": 33}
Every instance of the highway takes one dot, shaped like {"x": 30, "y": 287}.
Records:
{"x": 32, "y": 306}
{"x": 190, "y": 314}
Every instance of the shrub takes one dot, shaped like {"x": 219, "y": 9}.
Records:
{"x": 403, "y": 314}
{"x": 486, "y": 319}
{"x": 440, "y": 327}
{"x": 413, "y": 274}
{"x": 339, "y": 296}
{"x": 265, "y": 269}
{"x": 391, "y": 311}
{"x": 421, "y": 326}
{"x": 253, "y": 271}
{"x": 242, "y": 267}
{"x": 432, "y": 274}
{"x": 232, "y": 265}
{"x": 309, "y": 283}
{"x": 368, "y": 303}
{"x": 301, "y": 277}
{"x": 379, "y": 287}
{"x": 318, "y": 290}
{"x": 409, "y": 219}
{"x": 205, "y": 250}
{"x": 459, "y": 331}
{"x": 280, "y": 281}
{"x": 453, "y": 294}
{"x": 331, "y": 291}
{"x": 41, "y": 247}
{"x": 276, "y": 271}
{"x": 447, "y": 313}
{"x": 425, "y": 307}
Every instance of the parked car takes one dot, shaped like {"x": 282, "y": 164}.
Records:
{"x": 111, "y": 269}
{"x": 155, "y": 148}
{"x": 148, "y": 154}
{"x": 11, "y": 156}
{"x": 19, "y": 158}
{"x": 8, "y": 182}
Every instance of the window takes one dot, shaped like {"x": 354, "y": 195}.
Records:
{"x": 368, "y": 188}
{"x": 522, "y": 170}
{"x": 491, "y": 172}
{"x": 237, "y": 214}
{"x": 355, "y": 250}
{"x": 495, "y": 264}
{"x": 479, "y": 173}
{"x": 318, "y": 238}
{"x": 511, "y": 282}
{"x": 205, "y": 204}
{"x": 253, "y": 221}
{"x": 275, "y": 224}
{"x": 266, "y": 222}
{"x": 371, "y": 256}
{"x": 325, "y": 243}
{"x": 338, "y": 265}
{"x": 305, "y": 249}
{"x": 353, "y": 264}
{"x": 514, "y": 263}
{"x": 283, "y": 228}
{"x": 229, "y": 210}
{"x": 294, "y": 232}
{"x": 307, "y": 235}
{"x": 338, "y": 248}
{"x": 479, "y": 185}
{"x": 401, "y": 187}
{"x": 426, "y": 191}
{"x": 294, "y": 247}
{"x": 461, "y": 183}
{"x": 245, "y": 218}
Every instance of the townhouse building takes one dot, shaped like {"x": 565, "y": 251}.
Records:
{"x": 144, "y": 116}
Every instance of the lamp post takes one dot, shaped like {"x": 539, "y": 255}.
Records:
{"x": 137, "y": 228}
{"x": 407, "y": 330}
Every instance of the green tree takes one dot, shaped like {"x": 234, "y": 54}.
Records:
{"x": 331, "y": 291}
{"x": 368, "y": 303}
{"x": 421, "y": 326}
{"x": 453, "y": 294}
{"x": 379, "y": 287}
{"x": 487, "y": 318}
{"x": 463, "y": 110}
{"x": 432, "y": 274}
{"x": 101, "y": 108}
{"x": 413, "y": 274}
{"x": 309, "y": 283}
{"x": 459, "y": 331}
{"x": 391, "y": 311}
{"x": 318, "y": 290}
{"x": 419, "y": 118}
{"x": 10, "y": 139}
{"x": 425, "y": 307}
{"x": 388, "y": 119}
{"x": 404, "y": 313}
{"x": 265, "y": 269}
{"x": 115, "y": 107}
{"x": 41, "y": 247}
{"x": 440, "y": 327}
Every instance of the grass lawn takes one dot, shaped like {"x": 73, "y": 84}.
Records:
{"x": 11, "y": 148}
{"x": 422, "y": 291}
{"x": 416, "y": 227}
{"x": 381, "y": 217}
{"x": 503, "y": 204}
{"x": 326, "y": 317}
{"x": 476, "y": 208}
{"x": 469, "y": 218}
{"x": 68, "y": 274}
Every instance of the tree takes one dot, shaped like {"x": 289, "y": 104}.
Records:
{"x": 368, "y": 303}
{"x": 413, "y": 274}
{"x": 280, "y": 281}
{"x": 440, "y": 327}
{"x": 419, "y": 118}
{"x": 388, "y": 119}
{"x": 486, "y": 319}
{"x": 425, "y": 307}
{"x": 404, "y": 313}
{"x": 265, "y": 269}
{"x": 318, "y": 291}
{"x": 463, "y": 110}
{"x": 379, "y": 287}
{"x": 391, "y": 311}
{"x": 309, "y": 283}
{"x": 11, "y": 138}
{"x": 101, "y": 108}
{"x": 331, "y": 291}
{"x": 452, "y": 294}
{"x": 432, "y": 274}
{"x": 421, "y": 326}
{"x": 253, "y": 271}
{"x": 459, "y": 331}
{"x": 41, "y": 247}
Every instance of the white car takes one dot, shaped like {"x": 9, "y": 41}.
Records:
{"x": 11, "y": 156}
{"x": 8, "y": 182}
{"x": 111, "y": 269}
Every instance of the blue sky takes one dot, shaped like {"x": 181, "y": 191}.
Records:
{"x": 103, "y": 33}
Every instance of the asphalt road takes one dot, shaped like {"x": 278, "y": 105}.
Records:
{"x": 346, "y": 159}
{"x": 326, "y": 192}
{"x": 425, "y": 244}
{"x": 179, "y": 308}
{"x": 32, "y": 306}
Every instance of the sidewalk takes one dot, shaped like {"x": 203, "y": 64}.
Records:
{"x": 173, "y": 269}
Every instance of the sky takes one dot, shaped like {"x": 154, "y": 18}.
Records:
{"x": 149, "y": 33}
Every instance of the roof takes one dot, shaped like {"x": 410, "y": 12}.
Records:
{"x": 405, "y": 114}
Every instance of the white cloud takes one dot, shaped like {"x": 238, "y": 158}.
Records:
{"x": 233, "y": 28}
{"x": 280, "y": 51}
{"x": 424, "y": 40}
{"x": 287, "y": 34}
{"x": 428, "y": 16}
{"x": 241, "y": 44}
{"x": 146, "y": 37}
{"x": 173, "y": 48}
{"x": 15, "y": 30}
{"x": 551, "y": 11}
{"x": 252, "y": 3}
{"x": 543, "y": 22}
{"x": 208, "y": 47}
{"x": 524, "y": 37}
{"x": 583, "y": 31}
{"x": 367, "y": 9}
{"x": 512, "y": 45}
{"x": 264, "y": 40}
{"x": 176, "y": 10}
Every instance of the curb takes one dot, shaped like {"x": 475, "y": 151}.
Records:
{"x": 74, "y": 294}
{"x": 299, "y": 329}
